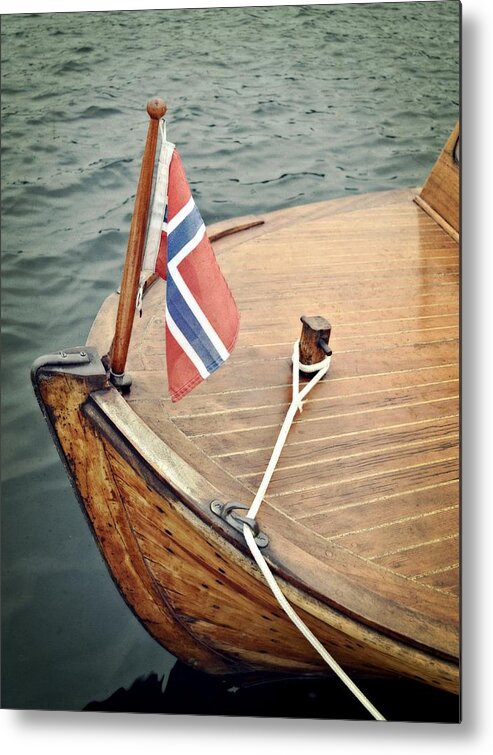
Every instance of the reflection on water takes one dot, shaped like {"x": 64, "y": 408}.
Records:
{"x": 270, "y": 107}
{"x": 192, "y": 692}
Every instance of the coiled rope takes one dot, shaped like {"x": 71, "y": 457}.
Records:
{"x": 320, "y": 369}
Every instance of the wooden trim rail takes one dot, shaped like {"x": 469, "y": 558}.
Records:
{"x": 440, "y": 195}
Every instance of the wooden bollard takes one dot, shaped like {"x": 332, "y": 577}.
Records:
{"x": 314, "y": 339}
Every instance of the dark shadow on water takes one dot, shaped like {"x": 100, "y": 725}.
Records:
{"x": 195, "y": 693}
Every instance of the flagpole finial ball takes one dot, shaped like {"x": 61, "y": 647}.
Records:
{"x": 156, "y": 108}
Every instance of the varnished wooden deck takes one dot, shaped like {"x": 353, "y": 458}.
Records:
{"x": 371, "y": 465}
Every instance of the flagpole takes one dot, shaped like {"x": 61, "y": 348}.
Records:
{"x": 156, "y": 109}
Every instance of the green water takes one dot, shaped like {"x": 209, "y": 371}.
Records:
{"x": 269, "y": 107}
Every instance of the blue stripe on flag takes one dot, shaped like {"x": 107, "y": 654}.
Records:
{"x": 190, "y": 327}
{"x": 184, "y": 232}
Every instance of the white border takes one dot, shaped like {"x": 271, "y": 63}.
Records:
{"x": 31, "y": 731}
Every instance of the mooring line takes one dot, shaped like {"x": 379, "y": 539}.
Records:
{"x": 320, "y": 369}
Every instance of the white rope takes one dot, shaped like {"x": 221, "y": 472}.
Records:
{"x": 296, "y": 404}
{"x": 320, "y": 369}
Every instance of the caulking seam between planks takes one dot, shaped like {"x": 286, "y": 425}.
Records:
{"x": 378, "y": 499}
{"x": 339, "y": 435}
{"x": 392, "y": 522}
{"x": 360, "y": 479}
{"x": 407, "y": 548}
{"x": 358, "y": 454}
{"x": 311, "y": 401}
{"x": 326, "y": 417}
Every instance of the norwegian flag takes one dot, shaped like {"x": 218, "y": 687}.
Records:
{"x": 202, "y": 319}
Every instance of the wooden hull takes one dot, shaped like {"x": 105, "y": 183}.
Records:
{"x": 185, "y": 575}
{"x": 363, "y": 511}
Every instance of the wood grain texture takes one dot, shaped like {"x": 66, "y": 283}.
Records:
{"x": 382, "y": 430}
{"x": 362, "y": 512}
{"x": 440, "y": 195}
{"x": 371, "y": 466}
{"x": 189, "y": 584}
{"x": 156, "y": 109}
{"x": 314, "y": 340}
{"x": 97, "y": 486}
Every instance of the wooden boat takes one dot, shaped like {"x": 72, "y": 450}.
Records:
{"x": 361, "y": 515}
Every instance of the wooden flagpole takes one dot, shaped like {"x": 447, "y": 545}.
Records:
{"x": 156, "y": 109}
